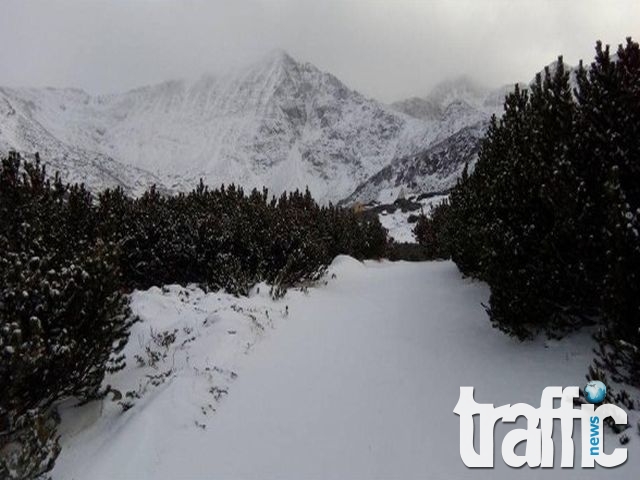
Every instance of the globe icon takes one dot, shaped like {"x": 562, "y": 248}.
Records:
{"x": 595, "y": 391}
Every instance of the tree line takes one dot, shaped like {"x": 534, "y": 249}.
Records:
{"x": 550, "y": 215}
{"x": 69, "y": 257}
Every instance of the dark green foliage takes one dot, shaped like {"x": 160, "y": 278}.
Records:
{"x": 609, "y": 95}
{"x": 432, "y": 232}
{"x": 66, "y": 260}
{"x": 30, "y": 449}
{"x": 224, "y": 238}
{"x": 550, "y": 216}
{"x": 411, "y": 252}
{"x": 63, "y": 319}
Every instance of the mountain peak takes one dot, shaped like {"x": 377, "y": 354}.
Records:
{"x": 278, "y": 56}
{"x": 459, "y": 88}
{"x": 281, "y": 54}
{"x": 275, "y": 122}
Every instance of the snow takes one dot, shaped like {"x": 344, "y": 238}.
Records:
{"x": 398, "y": 227}
{"x": 397, "y": 222}
{"x": 436, "y": 168}
{"x": 356, "y": 377}
{"x": 277, "y": 123}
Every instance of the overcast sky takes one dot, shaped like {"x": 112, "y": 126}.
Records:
{"x": 388, "y": 49}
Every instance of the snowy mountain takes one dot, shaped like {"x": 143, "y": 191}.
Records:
{"x": 278, "y": 123}
{"x": 33, "y": 120}
{"x": 459, "y": 111}
{"x": 459, "y": 99}
{"x": 436, "y": 169}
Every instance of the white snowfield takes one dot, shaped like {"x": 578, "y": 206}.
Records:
{"x": 397, "y": 223}
{"x": 356, "y": 378}
{"x": 278, "y": 123}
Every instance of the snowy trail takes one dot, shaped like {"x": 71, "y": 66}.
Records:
{"x": 359, "y": 382}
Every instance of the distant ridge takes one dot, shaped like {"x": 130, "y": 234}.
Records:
{"x": 278, "y": 123}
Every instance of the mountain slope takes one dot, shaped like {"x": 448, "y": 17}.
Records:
{"x": 278, "y": 123}
{"x": 436, "y": 169}
{"x": 459, "y": 99}
{"x": 21, "y": 130}
{"x": 459, "y": 111}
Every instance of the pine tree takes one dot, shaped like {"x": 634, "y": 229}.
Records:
{"x": 549, "y": 217}
{"x": 612, "y": 98}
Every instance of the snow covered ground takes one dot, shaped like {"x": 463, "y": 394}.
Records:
{"x": 397, "y": 223}
{"x": 355, "y": 378}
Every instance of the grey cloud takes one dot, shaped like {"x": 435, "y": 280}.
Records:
{"x": 388, "y": 49}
